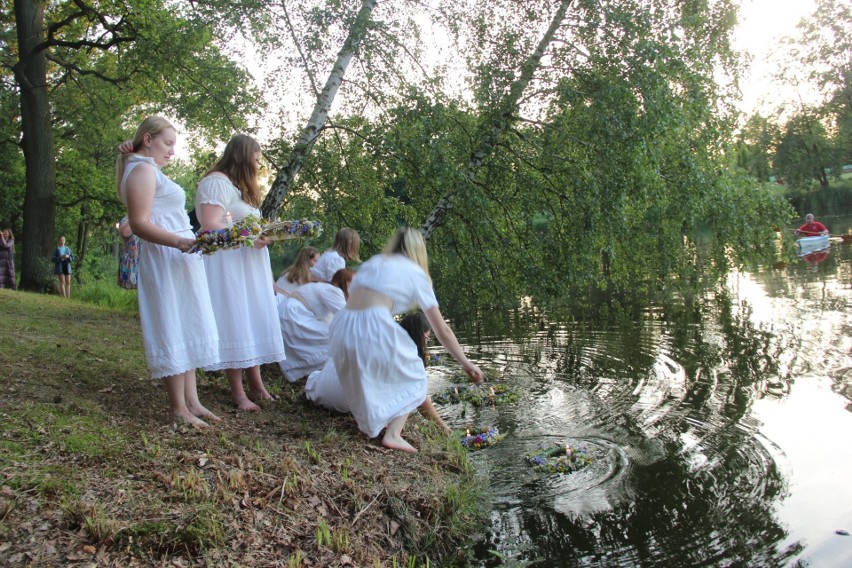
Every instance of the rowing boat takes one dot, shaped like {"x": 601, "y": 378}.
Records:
{"x": 807, "y": 245}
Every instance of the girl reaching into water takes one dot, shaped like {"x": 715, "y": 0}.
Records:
{"x": 178, "y": 328}
{"x": 323, "y": 387}
{"x": 381, "y": 374}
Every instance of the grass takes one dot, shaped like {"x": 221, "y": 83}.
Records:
{"x": 89, "y": 457}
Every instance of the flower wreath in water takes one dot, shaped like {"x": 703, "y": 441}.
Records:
{"x": 476, "y": 395}
{"x": 246, "y": 231}
{"x": 559, "y": 459}
{"x": 481, "y": 438}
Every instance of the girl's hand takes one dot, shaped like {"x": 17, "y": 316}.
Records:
{"x": 184, "y": 244}
{"x": 125, "y": 147}
{"x": 474, "y": 373}
{"x": 261, "y": 243}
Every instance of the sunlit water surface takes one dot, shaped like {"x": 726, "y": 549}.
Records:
{"x": 719, "y": 429}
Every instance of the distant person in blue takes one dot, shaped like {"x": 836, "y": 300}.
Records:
{"x": 62, "y": 259}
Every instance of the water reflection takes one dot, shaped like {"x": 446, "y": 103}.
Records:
{"x": 690, "y": 411}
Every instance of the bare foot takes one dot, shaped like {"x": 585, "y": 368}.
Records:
{"x": 398, "y": 443}
{"x": 246, "y": 405}
{"x": 202, "y": 412}
{"x": 259, "y": 394}
{"x": 190, "y": 419}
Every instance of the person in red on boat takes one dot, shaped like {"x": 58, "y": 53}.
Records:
{"x": 812, "y": 228}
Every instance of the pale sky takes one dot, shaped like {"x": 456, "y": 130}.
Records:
{"x": 762, "y": 24}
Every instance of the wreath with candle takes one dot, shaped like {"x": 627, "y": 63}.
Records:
{"x": 559, "y": 459}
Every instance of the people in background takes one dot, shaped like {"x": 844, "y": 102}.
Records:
{"x": 62, "y": 259}
{"x": 346, "y": 245}
{"x": 305, "y": 316}
{"x": 382, "y": 376}
{"x": 812, "y": 228}
{"x": 7, "y": 260}
{"x": 240, "y": 279}
{"x": 299, "y": 272}
{"x": 178, "y": 327}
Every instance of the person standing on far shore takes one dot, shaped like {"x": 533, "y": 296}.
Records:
{"x": 7, "y": 260}
{"x": 62, "y": 259}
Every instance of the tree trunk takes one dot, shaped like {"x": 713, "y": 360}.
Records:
{"x": 500, "y": 119}
{"x": 37, "y": 143}
{"x": 288, "y": 172}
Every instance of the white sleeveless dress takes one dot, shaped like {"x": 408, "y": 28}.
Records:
{"x": 241, "y": 288}
{"x": 305, "y": 330}
{"x": 380, "y": 373}
{"x": 178, "y": 328}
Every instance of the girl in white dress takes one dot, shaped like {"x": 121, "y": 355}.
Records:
{"x": 383, "y": 378}
{"x": 323, "y": 387}
{"x": 305, "y": 316}
{"x": 347, "y": 243}
{"x": 299, "y": 272}
{"x": 178, "y": 328}
{"x": 240, "y": 280}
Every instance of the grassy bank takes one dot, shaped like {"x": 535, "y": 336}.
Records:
{"x": 94, "y": 473}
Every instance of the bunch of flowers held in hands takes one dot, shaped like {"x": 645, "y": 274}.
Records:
{"x": 246, "y": 231}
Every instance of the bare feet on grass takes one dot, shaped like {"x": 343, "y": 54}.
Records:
{"x": 397, "y": 443}
{"x": 190, "y": 419}
{"x": 245, "y": 404}
{"x": 258, "y": 395}
{"x": 201, "y": 412}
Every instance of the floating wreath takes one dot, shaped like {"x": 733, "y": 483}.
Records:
{"x": 246, "y": 231}
{"x": 481, "y": 438}
{"x": 476, "y": 395}
{"x": 559, "y": 459}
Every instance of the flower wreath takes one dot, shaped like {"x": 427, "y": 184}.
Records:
{"x": 559, "y": 459}
{"x": 482, "y": 438}
{"x": 246, "y": 231}
{"x": 476, "y": 395}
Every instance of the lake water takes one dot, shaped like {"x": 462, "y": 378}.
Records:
{"x": 719, "y": 430}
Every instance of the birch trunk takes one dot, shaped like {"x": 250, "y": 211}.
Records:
{"x": 501, "y": 118}
{"x": 288, "y": 172}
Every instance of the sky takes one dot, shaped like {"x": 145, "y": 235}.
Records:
{"x": 762, "y": 24}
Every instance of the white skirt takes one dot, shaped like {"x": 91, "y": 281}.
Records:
{"x": 178, "y": 328}
{"x": 306, "y": 339}
{"x": 240, "y": 284}
{"x": 380, "y": 373}
{"x": 323, "y": 389}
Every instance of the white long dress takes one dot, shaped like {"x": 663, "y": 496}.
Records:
{"x": 178, "y": 328}
{"x": 329, "y": 262}
{"x": 305, "y": 328}
{"x": 323, "y": 389}
{"x": 240, "y": 283}
{"x": 377, "y": 363}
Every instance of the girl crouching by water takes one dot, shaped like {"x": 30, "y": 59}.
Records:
{"x": 380, "y": 371}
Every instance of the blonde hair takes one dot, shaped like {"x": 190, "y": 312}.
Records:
{"x": 237, "y": 162}
{"x": 300, "y": 271}
{"x": 409, "y": 243}
{"x": 153, "y": 126}
{"x": 347, "y": 243}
